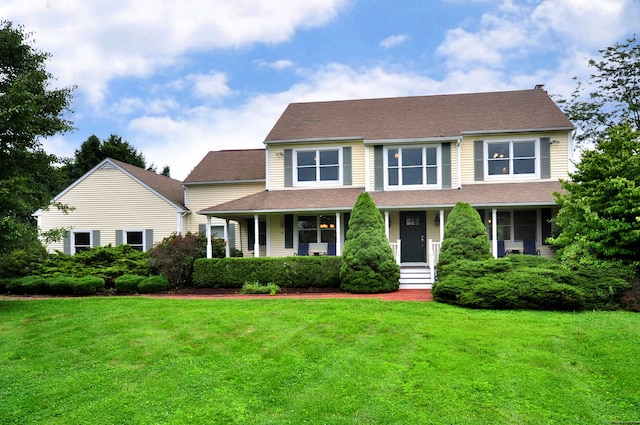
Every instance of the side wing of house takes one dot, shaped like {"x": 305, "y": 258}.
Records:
{"x": 110, "y": 206}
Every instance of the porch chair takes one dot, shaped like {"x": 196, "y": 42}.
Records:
{"x": 303, "y": 249}
{"x": 331, "y": 249}
{"x": 530, "y": 248}
{"x": 502, "y": 252}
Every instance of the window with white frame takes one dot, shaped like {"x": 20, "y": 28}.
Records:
{"x": 312, "y": 229}
{"x": 516, "y": 225}
{"x": 512, "y": 158}
{"x": 135, "y": 238}
{"x": 81, "y": 241}
{"x": 412, "y": 166}
{"x": 317, "y": 165}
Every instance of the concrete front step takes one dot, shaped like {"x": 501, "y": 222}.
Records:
{"x": 415, "y": 285}
{"x": 415, "y": 277}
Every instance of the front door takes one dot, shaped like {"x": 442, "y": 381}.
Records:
{"x": 413, "y": 234}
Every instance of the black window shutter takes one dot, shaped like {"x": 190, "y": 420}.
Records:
{"x": 378, "y": 164}
{"x": 288, "y": 231}
{"x": 446, "y": 165}
{"x": 251, "y": 233}
{"x": 478, "y": 159}
{"x": 545, "y": 215}
{"x": 288, "y": 168}
{"x": 545, "y": 158}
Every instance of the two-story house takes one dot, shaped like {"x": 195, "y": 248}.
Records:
{"x": 502, "y": 152}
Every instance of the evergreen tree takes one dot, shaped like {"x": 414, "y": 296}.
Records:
{"x": 368, "y": 265}
{"x": 465, "y": 237}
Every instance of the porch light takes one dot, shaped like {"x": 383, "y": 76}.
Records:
{"x": 324, "y": 226}
{"x": 396, "y": 155}
{"x": 436, "y": 221}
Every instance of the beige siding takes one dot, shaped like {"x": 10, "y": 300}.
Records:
{"x": 276, "y": 235}
{"x": 276, "y": 162}
{"x": 559, "y": 154}
{"x": 109, "y": 200}
{"x": 203, "y": 196}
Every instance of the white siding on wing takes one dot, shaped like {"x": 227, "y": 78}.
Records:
{"x": 108, "y": 200}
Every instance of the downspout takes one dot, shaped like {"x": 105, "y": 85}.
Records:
{"x": 208, "y": 231}
{"x": 227, "y": 248}
{"x": 266, "y": 162}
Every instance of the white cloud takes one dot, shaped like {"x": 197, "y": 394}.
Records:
{"x": 212, "y": 85}
{"x": 394, "y": 41}
{"x": 278, "y": 65}
{"x": 129, "y": 42}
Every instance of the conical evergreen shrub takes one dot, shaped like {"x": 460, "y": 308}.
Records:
{"x": 465, "y": 237}
{"x": 368, "y": 265}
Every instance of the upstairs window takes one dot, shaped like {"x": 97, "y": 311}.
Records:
{"x": 412, "y": 166}
{"x": 318, "y": 165}
{"x": 511, "y": 158}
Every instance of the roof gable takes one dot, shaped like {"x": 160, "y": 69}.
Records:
{"x": 243, "y": 165}
{"x": 420, "y": 116}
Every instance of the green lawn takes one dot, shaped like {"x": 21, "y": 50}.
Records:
{"x": 293, "y": 361}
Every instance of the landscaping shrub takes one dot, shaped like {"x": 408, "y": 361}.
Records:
{"x": 62, "y": 285}
{"x": 368, "y": 263}
{"x": 465, "y": 237}
{"x": 175, "y": 255}
{"x": 32, "y": 285}
{"x": 153, "y": 284}
{"x": 88, "y": 285}
{"x": 21, "y": 262}
{"x": 529, "y": 282}
{"x": 128, "y": 283}
{"x": 258, "y": 288}
{"x": 286, "y": 272}
{"x": 106, "y": 262}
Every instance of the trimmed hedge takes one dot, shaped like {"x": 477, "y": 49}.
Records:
{"x": 529, "y": 282}
{"x": 128, "y": 283}
{"x": 286, "y": 272}
{"x": 153, "y": 284}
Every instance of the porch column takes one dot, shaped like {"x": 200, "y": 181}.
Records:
{"x": 208, "y": 231}
{"x": 256, "y": 232}
{"x": 441, "y": 212}
{"x": 227, "y": 248}
{"x": 386, "y": 223}
{"x": 494, "y": 232}
{"x": 338, "y": 235}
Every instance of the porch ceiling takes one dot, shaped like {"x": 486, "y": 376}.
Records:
{"x": 478, "y": 195}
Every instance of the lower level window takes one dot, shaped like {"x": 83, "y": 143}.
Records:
{"x": 312, "y": 229}
{"x": 518, "y": 225}
{"x": 81, "y": 241}
{"x": 135, "y": 238}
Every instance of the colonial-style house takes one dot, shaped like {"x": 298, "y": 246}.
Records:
{"x": 116, "y": 203}
{"x": 502, "y": 152}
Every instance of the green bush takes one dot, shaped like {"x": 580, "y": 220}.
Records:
{"x": 530, "y": 282}
{"x": 128, "y": 283}
{"x": 62, "y": 285}
{"x": 368, "y": 264}
{"x": 88, "y": 285}
{"x": 32, "y": 285}
{"x": 21, "y": 262}
{"x": 286, "y": 272}
{"x": 153, "y": 284}
{"x": 174, "y": 256}
{"x": 465, "y": 238}
{"x": 106, "y": 262}
{"x": 258, "y": 288}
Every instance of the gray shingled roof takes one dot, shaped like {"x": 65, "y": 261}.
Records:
{"x": 229, "y": 166}
{"x": 478, "y": 195}
{"x": 420, "y": 116}
{"x": 165, "y": 186}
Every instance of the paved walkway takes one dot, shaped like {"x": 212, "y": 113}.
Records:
{"x": 401, "y": 295}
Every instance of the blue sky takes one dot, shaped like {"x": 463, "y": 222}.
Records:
{"x": 178, "y": 79}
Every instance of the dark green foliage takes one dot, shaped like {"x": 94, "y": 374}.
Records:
{"x": 128, "y": 283}
{"x": 174, "y": 256}
{"x": 22, "y": 262}
{"x": 62, "y": 285}
{"x": 286, "y": 272}
{"x": 598, "y": 214}
{"x": 529, "y": 282}
{"x": 29, "y": 111}
{"x": 153, "y": 284}
{"x": 465, "y": 237}
{"x": 368, "y": 265}
{"x": 87, "y": 285}
{"x": 32, "y": 285}
{"x": 106, "y": 262}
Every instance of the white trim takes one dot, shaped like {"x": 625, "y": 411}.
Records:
{"x": 458, "y": 164}
{"x": 208, "y": 232}
{"x": 317, "y": 182}
{"x": 413, "y": 141}
{"x": 125, "y": 237}
{"x": 511, "y": 176}
{"x": 400, "y": 186}
{"x": 267, "y": 167}
{"x": 72, "y": 245}
{"x": 320, "y": 140}
{"x": 516, "y": 130}
{"x": 256, "y": 239}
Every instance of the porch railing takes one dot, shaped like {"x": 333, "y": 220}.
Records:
{"x": 434, "y": 252}
{"x": 395, "y": 247}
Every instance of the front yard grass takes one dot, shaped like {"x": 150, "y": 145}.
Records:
{"x": 293, "y": 361}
